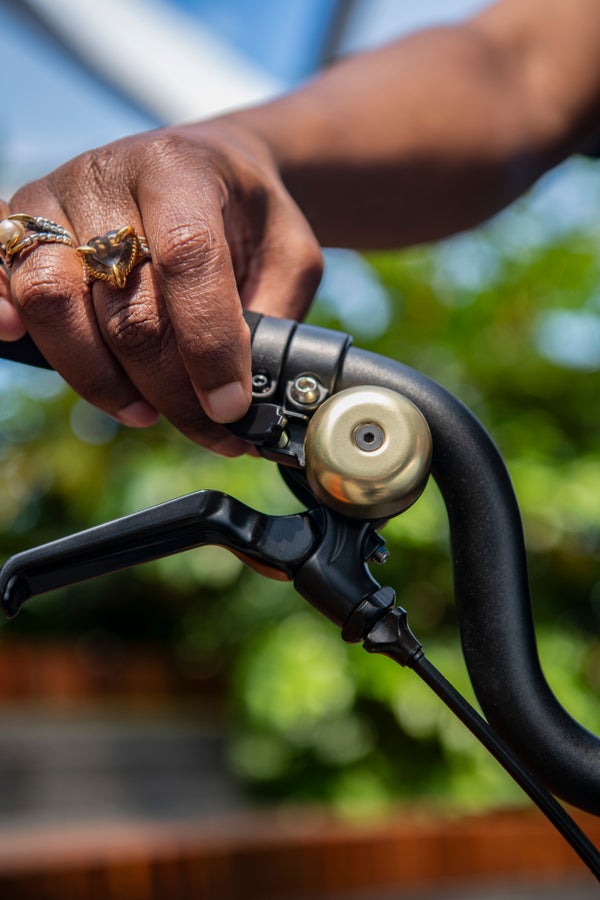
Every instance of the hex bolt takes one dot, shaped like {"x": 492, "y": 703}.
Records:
{"x": 305, "y": 390}
{"x": 369, "y": 437}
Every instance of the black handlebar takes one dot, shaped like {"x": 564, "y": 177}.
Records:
{"x": 492, "y": 587}
{"x": 488, "y": 551}
{"x": 23, "y": 351}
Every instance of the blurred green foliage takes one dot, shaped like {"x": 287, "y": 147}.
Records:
{"x": 505, "y": 323}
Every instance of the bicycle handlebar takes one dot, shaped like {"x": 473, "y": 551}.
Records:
{"x": 492, "y": 587}
{"x": 488, "y": 552}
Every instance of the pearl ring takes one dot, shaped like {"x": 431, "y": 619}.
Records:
{"x": 21, "y": 232}
{"x": 111, "y": 256}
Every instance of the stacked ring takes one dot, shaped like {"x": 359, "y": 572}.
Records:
{"x": 21, "y": 232}
{"x": 111, "y": 256}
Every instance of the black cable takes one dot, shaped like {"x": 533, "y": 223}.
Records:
{"x": 392, "y": 636}
{"x": 478, "y": 726}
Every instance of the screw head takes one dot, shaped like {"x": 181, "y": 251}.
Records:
{"x": 305, "y": 389}
{"x": 261, "y": 383}
{"x": 369, "y": 437}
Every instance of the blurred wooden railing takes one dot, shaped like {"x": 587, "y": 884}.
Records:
{"x": 296, "y": 854}
{"x": 291, "y": 856}
{"x": 67, "y": 674}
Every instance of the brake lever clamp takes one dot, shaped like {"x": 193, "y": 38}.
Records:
{"x": 362, "y": 456}
{"x": 293, "y": 371}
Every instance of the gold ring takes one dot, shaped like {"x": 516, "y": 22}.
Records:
{"x": 113, "y": 255}
{"x": 21, "y": 232}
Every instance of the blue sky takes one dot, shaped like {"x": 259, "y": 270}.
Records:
{"x": 60, "y": 109}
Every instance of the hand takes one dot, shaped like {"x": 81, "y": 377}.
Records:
{"x": 223, "y": 234}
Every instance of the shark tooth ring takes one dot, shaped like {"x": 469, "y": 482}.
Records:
{"x": 112, "y": 256}
{"x": 21, "y": 232}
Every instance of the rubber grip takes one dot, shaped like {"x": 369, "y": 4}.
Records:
{"x": 25, "y": 351}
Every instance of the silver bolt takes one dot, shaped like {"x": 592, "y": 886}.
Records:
{"x": 369, "y": 437}
{"x": 305, "y": 389}
{"x": 260, "y": 383}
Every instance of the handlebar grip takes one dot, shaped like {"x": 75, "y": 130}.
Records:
{"x": 25, "y": 351}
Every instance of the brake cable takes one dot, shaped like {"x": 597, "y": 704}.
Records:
{"x": 356, "y": 436}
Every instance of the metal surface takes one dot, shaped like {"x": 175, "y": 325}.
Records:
{"x": 305, "y": 390}
{"x": 368, "y": 452}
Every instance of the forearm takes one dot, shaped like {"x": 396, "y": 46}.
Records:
{"x": 438, "y": 131}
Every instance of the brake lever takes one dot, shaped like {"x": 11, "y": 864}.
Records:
{"x": 195, "y": 520}
{"x": 325, "y": 554}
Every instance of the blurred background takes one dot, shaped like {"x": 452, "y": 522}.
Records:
{"x": 192, "y": 691}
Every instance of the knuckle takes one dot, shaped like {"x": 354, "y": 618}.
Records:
{"x": 94, "y": 172}
{"x": 38, "y": 297}
{"x": 185, "y": 247}
{"x": 163, "y": 153}
{"x": 161, "y": 148}
{"x": 88, "y": 168}
{"x": 210, "y": 348}
{"x": 160, "y": 152}
{"x": 135, "y": 332}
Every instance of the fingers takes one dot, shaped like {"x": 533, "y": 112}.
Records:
{"x": 195, "y": 277}
{"x": 11, "y": 325}
{"x": 169, "y": 337}
{"x": 54, "y": 303}
{"x": 136, "y": 326}
{"x": 172, "y": 326}
{"x": 285, "y": 272}
{"x": 118, "y": 347}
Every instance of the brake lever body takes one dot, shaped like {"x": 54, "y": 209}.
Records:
{"x": 325, "y": 554}
{"x": 195, "y": 520}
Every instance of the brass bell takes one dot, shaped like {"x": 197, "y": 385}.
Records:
{"x": 368, "y": 452}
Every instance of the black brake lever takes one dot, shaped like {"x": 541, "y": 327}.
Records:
{"x": 325, "y": 554}
{"x": 205, "y": 517}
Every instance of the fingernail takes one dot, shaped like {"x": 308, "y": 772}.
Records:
{"x": 228, "y": 403}
{"x": 138, "y": 415}
{"x": 11, "y": 327}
